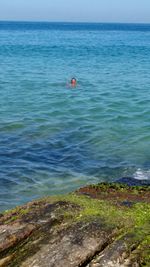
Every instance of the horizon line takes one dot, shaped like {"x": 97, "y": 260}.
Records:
{"x": 74, "y": 22}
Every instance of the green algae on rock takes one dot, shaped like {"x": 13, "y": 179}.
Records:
{"x": 99, "y": 225}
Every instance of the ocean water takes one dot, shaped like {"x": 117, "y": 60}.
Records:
{"x": 54, "y": 138}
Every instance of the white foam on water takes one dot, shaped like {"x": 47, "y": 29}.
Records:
{"x": 142, "y": 175}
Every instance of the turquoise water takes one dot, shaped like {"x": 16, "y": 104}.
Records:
{"x": 53, "y": 138}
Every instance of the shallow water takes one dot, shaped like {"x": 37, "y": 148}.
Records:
{"x": 54, "y": 139}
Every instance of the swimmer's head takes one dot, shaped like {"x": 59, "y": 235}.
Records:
{"x": 73, "y": 81}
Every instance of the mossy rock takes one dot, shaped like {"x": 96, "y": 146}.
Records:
{"x": 99, "y": 225}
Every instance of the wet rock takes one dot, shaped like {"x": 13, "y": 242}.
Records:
{"x": 73, "y": 246}
{"x": 104, "y": 225}
{"x": 118, "y": 194}
{"x": 130, "y": 181}
{"x": 118, "y": 253}
{"x": 12, "y": 234}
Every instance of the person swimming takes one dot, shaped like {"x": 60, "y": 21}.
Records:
{"x": 73, "y": 82}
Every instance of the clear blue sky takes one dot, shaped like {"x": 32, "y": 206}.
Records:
{"x": 76, "y": 10}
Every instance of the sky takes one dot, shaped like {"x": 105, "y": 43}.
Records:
{"x": 135, "y": 11}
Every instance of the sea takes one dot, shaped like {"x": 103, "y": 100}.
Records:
{"x": 55, "y": 138}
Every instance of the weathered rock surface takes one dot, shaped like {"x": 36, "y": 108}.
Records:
{"x": 104, "y": 225}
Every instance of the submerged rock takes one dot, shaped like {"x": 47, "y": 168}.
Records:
{"x": 130, "y": 181}
{"x": 104, "y": 225}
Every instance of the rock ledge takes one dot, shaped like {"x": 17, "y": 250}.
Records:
{"x": 104, "y": 225}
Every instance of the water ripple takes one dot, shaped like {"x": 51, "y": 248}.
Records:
{"x": 54, "y": 138}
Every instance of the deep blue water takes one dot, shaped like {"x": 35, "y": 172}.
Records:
{"x": 53, "y": 138}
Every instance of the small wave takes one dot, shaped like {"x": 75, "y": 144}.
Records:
{"x": 142, "y": 175}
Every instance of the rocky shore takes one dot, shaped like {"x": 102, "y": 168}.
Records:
{"x": 104, "y": 225}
